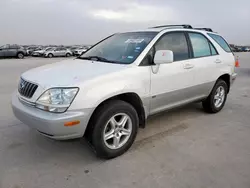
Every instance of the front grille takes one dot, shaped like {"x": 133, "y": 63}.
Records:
{"x": 26, "y": 89}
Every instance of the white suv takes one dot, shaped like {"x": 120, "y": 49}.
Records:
{"x": 108, "y": 92}
{"x": 58, "y": 52}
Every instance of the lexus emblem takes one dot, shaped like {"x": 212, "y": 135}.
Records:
{"x": 22, "y": 84}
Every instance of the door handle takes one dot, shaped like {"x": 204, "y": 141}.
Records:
{"x": 217, "y": 61}
{"x": 188, "y": 66}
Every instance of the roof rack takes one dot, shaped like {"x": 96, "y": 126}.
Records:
{"x": 205, "y": 29}
{"x": 186, "y": 26}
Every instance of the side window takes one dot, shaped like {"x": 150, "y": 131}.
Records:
{"x": 220, "y": 41}
{"x": 7, "y": 46}
{"x": 200, "y": 45}
{"x": 213, "y": 51}
{"x": 13, "y": 46}
{"x": 176, "y": 42}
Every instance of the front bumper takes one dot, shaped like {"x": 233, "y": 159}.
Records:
{"x": 51, "y": 124}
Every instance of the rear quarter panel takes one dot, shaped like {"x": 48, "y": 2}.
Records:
{"x": 227, "y": 61}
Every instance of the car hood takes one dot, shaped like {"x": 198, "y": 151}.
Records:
{"x": 70, "y": 73}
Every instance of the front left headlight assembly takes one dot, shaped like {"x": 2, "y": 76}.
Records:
{"x": 56, "y": 99}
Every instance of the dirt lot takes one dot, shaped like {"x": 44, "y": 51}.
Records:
{"x": 181, "y": 148}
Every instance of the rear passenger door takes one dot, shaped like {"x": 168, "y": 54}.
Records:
{"x": 205, "y": 60}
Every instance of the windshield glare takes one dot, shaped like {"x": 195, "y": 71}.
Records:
{"x": 122, "y": 48}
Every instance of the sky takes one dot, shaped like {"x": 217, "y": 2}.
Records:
{"x": 88, "y": 21}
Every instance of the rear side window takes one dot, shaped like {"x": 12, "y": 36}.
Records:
{"x": 175, "y": 42}
{"x": 213, "y": 51}
{"x": 200, "y": 45}
{"x": 220, "y": 41}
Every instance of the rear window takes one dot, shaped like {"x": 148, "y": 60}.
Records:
{"x": 220, "y": 41}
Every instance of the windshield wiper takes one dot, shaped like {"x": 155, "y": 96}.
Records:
{"x": 97, "y": 58}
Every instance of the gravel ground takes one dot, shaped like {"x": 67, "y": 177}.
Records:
{"x": 181, "y": 148}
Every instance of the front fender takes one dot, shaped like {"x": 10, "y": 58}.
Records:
{"x": 92, "y": 96}
{"x": 94, "y": 92}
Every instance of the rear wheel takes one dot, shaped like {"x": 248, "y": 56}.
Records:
{"x": 217, "y": 98}
{"x": 20, "y": 55}
{"x": 115, "y": 126}
{"x": 68, "y": 55}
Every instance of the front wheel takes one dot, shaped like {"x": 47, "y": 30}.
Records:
{"x": 217, "y": 98}
{"x": 115, "y": 128}
{"x": 68, "y": 55}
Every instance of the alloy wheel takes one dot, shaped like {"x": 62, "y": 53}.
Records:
{"x": 219, "y": 97}
{"x": 117, "y": 131}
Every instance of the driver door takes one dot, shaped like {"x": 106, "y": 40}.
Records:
{"x": 171, "y": 84}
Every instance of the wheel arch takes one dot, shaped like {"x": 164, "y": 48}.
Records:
{"x": 131, "y": 98}
{"x": 226, "y": 78}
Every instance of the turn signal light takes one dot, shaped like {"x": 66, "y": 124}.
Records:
{"x": 71, "y": 123}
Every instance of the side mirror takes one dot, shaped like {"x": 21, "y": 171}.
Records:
{"x": 163, "y": 57}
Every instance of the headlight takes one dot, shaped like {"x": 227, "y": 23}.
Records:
{"x": 56, "y": 99}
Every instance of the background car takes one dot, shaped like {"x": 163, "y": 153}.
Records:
{"x": 80, "y": 51}
{"x": 238, "y": 49}
{"x": 58, "y": 52}
{"x": 41, "y": 52}
{"x": 12, "y": 51}
{"x": 31, "y": 49}
{"x": 246, "y": 49}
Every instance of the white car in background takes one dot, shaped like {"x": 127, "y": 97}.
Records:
{"x": 58, "y": 52}
{"x": 41, "y": 52}
{"x": 80, "y": 51}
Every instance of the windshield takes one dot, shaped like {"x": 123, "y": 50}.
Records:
{"x": 122, "y": 48}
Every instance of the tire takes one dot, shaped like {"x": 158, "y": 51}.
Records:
{"x": 102, "y": 124}
{"x": 68, "y": 55}
{"x": 50, "y": 55}
{"x": 20, "y": 55}
{"x": 213, "y": 105}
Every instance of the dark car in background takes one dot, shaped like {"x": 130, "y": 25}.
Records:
{"x": 12, "y": 51}
{"x": 246, "y": 49}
